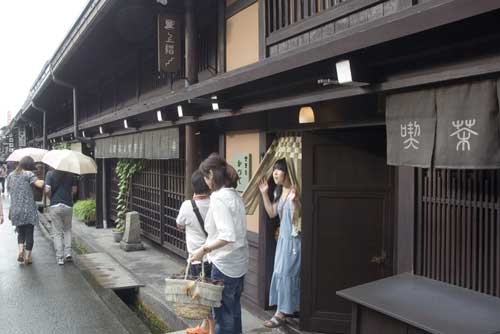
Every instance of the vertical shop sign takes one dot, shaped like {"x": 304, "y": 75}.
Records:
{"x": 169, "y": 50}
{"x": 242, "y": 164}
{"x": 11, "y": 143}
{"x": 21, "y": 135}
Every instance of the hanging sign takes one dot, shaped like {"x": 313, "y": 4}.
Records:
{"x": 242, "y": 164}
{"x": 467, "y": 126}
{"x": 169, "y": 46}
{"x": 411, "y": 128}
{"x": 21, "y": 135}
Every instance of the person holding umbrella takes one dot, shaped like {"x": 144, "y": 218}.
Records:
{"x": 23, "y": 211}
{"x": 60, "y": 187}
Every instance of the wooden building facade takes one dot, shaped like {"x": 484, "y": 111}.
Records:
{"x": 364, "y": 220}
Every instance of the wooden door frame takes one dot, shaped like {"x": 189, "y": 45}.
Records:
{"x": 390, "y": 232}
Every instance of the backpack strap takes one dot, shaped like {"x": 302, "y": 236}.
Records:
{"x": 198, "y": 215}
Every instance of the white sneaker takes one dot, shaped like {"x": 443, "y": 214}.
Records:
{"x": 60, "y": 261}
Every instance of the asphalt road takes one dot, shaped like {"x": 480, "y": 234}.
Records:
{"x": 45, "y": 298}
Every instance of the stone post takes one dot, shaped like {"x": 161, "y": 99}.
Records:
{"x": 131, "y": 240}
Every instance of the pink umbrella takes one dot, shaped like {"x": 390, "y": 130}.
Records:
{"x": 36, "y": 153}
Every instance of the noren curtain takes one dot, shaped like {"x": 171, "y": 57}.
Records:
{"x": 288, "y": 147}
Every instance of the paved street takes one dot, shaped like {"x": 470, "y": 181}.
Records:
{"x": 45, "y": 298}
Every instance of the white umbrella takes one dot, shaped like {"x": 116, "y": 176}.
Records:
{"x": 70, "y": 161}
{"x": 36, "y": 153}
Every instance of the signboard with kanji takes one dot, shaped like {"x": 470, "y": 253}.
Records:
{"x": 21, "y": 135}
{"x": 242, "y": 163}
{"x": 169, "y": 46}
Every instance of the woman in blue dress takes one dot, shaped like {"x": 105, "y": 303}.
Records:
{"x": 285, "y": 282}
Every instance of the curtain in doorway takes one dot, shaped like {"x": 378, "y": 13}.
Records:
{"x": 288, "y": 147}
{"x": 451, "y": 126}
{"x": 411, "y": 128}
{"x": 468, "y": 126}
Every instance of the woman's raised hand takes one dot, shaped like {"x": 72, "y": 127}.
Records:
{"x": 263, "y": 186}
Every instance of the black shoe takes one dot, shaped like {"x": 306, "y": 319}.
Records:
{"x": 68, "y": 258}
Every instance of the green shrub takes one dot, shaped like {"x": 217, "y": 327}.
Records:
{"x": 85, "y": 209}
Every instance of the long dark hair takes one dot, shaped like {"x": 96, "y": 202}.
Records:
{"x": 280, "y": 165}
{"x": 224, "y": 175}
{"x": 26, "y": 163}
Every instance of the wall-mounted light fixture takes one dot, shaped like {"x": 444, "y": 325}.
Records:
{"x": 159, "y": 116}
{"x": 215, "y": 103}
{"x": 344, "y": 74}
{"x": 101, "y": 130}
{"x": 180, "y": 112}
{"x": 83, "y": 134}
{"x": 130, "y": 124}
{"x": 306, "y": 115}
{"x": 352, "y": 73}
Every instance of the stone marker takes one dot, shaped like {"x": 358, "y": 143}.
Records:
{"x": 131, "y": 240}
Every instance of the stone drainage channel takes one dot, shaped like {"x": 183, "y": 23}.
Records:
{"x": 126, "y": 296}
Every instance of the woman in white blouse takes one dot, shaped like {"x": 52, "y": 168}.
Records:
{"x": 226, "y": 244}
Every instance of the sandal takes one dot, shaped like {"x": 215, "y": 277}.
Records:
{"x": 20, "y": 257}
{"x": 274, "y": 322}
{"x": 196, "y": 330}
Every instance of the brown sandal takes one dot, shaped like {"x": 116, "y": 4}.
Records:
{"x": 274, "y": 322}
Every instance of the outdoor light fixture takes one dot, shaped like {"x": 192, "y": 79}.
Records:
{"x": 159, "y": 116}
{"x": 306, "y": 115}
{"x": 101, "y": 131}
{"x": 215, "y": 103}
{"x": 180, "y": 113}
{"x": 344, "y": 74}
{"x": 130, "y": 124}
{"x": 352, "y": 73}
{"x": 83, "y": 134}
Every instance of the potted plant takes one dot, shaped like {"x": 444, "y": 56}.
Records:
{"x": 86, "y": 210}
{"x": 125, "y": 170}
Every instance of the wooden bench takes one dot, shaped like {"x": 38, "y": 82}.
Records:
{"x": 414, "y": 304}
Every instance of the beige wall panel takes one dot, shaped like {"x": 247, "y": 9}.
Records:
{"x": 76, "y": 147}
{"x": 242, "y": 38}
{"x": 245, "y": 142}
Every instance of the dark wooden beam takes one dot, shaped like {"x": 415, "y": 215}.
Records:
{"x": 405, "y": 222}
{"x": 191, "y": 43}
{"x": 238, "y": 6}
{"x": 262, "y": 30}
{"x": 419, "y": 18}
{"x": 329, "y": 15}
{"x": 221, "y": 36}
{"x": 472, "y": 68}
{"x": 191, "y": 149}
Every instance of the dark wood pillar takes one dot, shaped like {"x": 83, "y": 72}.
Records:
{"x": 192, "y": 78}
{"x": 405, "y": 219}
{"x": 190, "y": 159}
{"x": 104, "y": 202}
{"x": 191, "y": 43}
{"x": 221, "y": 36}
{"x": 262, "y": 29}
{"x": 44, "y": 129}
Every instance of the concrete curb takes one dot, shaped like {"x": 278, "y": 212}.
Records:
{"x": 121, "y": 311}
